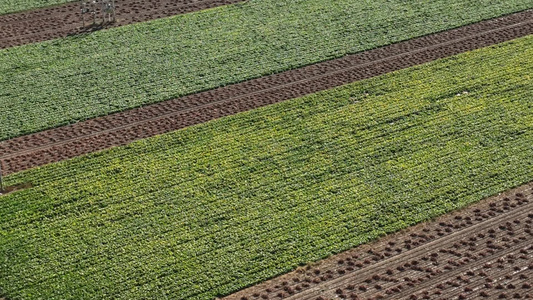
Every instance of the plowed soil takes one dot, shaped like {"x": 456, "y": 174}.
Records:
{"x": 482, "y": 252}
{"x": 53, "y": 145}
{"x": 60, "y": 21}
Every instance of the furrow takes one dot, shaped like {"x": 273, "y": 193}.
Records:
{"x": 119, "y": 129}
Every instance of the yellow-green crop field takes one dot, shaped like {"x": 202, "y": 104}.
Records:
{"x": 208, "y": 210}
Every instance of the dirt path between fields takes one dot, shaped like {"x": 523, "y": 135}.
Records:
{"x": 60, "y": 21}
{"x": 482, "y": 252}
{"x": 61, "y": 143}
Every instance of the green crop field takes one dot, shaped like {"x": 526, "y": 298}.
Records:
{"x": 11, "y": 6}
{"x": 54, "y": 83}
{"x": 213, "y": 208}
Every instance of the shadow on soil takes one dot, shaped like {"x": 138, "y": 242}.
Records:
{"x": 14, "y": 188}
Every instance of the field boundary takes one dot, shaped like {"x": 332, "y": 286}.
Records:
{"x": 423, "y": 258}
{"x": 59, "y": 21}
{"x": 65, "y": 142}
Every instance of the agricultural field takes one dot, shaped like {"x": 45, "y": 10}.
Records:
{"x": 85, "y": 76}
{"x": 481, "y": 252}
{"x": 92, "y": 135}
{"x": 11, "y": 6}
{"x": 66, "y": 20}
{"x": 211, "y": 209}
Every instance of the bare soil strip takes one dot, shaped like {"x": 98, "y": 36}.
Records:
{"x": 482, "y": 252}
{"x": 61, "y": 143}
{"x": 60, "y": 21}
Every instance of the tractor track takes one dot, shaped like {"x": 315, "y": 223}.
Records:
{"x": 121, "y": 128}
{"x": 420, "y": 251}
{"x": 482, "y": 252}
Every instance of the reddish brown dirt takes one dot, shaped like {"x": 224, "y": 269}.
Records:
{"x": 60, "y": 21}
{"x": 122, "y": 128}
{"x": 482, "y": 252}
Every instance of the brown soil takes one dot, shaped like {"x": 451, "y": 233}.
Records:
{"x": 122, "y": 128}
{"x": 482, "y": 252}
{"x": 60, "y": 21}
{"x": 13, "y": 188}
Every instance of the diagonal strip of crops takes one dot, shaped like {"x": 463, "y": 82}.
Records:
{"x": 11, "y": 6}
{"x": 213, "y": 208}
{"x": 55, "y": 83}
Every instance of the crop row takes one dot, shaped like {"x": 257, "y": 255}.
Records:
{"x": 11, "y": 6}
{"x": 216, "y": 207}
{"x": 54, "y": 83}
